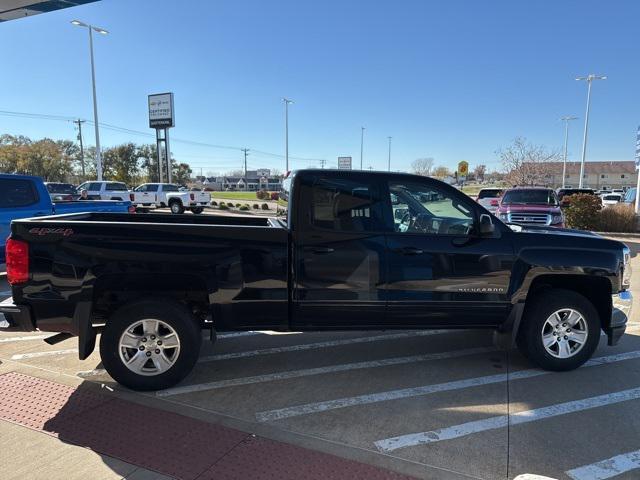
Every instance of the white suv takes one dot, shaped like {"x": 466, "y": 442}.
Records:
{"x": 105, "y": 190}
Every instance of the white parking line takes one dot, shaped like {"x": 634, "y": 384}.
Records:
{"x": 269, "y": 377}
{"x": 492, "y": 423}
{"x": 287, "y": 412}
{"x": 311, "y": 346}
{"x": 23, "y": 356}
{"x": 609, "y": 468}
{"x": 23, "y": 339}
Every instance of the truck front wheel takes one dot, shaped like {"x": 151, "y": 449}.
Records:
{"x": 150, "y": 344}
{"x": 560, "y": 330}
{"x": 176, "y": 207}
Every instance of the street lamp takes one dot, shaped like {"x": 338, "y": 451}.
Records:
{"x": 102, "y": 31}
{"x": 566, "y": 121}
{"x": 389, "y": 165}
{"x": 589, "y": 79}
{"x": 286, "y": 131}
{"x": 361, "y": 145}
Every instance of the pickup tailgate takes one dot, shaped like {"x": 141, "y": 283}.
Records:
{"x": 113, "y": 206}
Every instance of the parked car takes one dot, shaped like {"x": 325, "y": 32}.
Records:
{"x": 489, "y": 198}
{"x": 24, "y": 196}
{"x": 161, "y": 195}
{"x": 105, "y": 190}
{"x": 531, "y": 206}
{"x": 612, "y": 199}
{"x": 564, "y": 194}
{"x": 343, "y": 260}
{"x": 61, "y": 192}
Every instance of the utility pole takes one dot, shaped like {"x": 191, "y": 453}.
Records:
{"x": 361, "y": 145}
{"x": 589, "y": 79}
{"x": 389, "y": 166}
{"x": 80, "y": 122}
{"x": 286, "y": 131}
{"x": 246, "y": 152}
{"x": 566, "y": 121}
{"x": 322, "y": 162}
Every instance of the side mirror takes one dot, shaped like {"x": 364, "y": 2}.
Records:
{"x": 486, "y": 225}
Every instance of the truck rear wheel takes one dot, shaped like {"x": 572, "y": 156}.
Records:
{"x": 176, "y": 207}
{"x": 150, "y": 344}
{"x": 560, "y": 330}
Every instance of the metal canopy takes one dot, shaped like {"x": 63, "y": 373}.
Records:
{"x": 14, "y": 9}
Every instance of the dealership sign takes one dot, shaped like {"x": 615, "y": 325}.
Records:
{"x": 344, "y": 163}
{"x": 161, "y": 114}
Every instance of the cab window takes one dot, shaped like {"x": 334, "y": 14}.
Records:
{"x": 421, "y": 208}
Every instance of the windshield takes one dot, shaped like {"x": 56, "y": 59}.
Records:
{"x": 61, "y": 188}
{"x": 530, "y": 197}
{"x": 612, "y": 197}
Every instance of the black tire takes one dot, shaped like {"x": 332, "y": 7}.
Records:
{"x": 163, "y": 205}
{"x": 197, "y": 210}
{"x": 530, "y": 334}
{"x": 172, "y": 313}
{"x": 176, "y": 207}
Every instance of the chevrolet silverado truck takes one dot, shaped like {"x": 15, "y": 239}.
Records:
{"x": 357, "y": 251}
{"x": 161, "y": 195}
{"x": 24, "y": 196}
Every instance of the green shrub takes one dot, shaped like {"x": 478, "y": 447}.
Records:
{"x": 583, "y": 211}
{"x": 223, "y": 206}
{"x": 244, "y": 208}
{"x": 256, "y": 206}
{"x": 618, "y": 218}
{"x": 265, "y": 206}
{"x": 214, "y": 203}
{"x": 231, "y": 205}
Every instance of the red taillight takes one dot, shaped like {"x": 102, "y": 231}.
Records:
{"x": 131, "y": 209}
{"x": 494, "y": 203}
{"x": 132, "y": 197}
{"x": 193, "y": 196}
{"x": 17, "y": 258}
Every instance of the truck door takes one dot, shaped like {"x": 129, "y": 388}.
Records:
{"x": 441, "y": 272}
{"x": 339, "y": 252}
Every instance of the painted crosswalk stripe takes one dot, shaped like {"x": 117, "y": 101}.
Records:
{"x": 609, "y": 468}
{"x": 366, "y": 399}
{"x": 501, "y": 421}
{"x": 269, "y": 377}
{"x": 23, "y": 339}
{"x": 311, "y": 346}
{"x": 23, "y": 356}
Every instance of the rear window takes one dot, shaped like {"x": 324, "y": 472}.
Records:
{"x": 489, "y": 193}
{"x": 115, "y": 186}
{"x": 612, "y": 197}
{"x": 152, "y": 188}
{"x": 17, "y": 193}
{"x": 530, "y": 197}
{"x": 170, "y": 188}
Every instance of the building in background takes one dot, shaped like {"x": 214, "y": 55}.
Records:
{"x": 597, "y": 175}
{"x": 255, "y": 180}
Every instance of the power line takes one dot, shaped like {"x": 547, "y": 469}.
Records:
{"x": 130, "y": 131}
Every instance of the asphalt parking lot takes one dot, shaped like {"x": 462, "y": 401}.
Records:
{"x": 432, "y": 404}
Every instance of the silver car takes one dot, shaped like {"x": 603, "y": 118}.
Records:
{"x": 489, "y": 198}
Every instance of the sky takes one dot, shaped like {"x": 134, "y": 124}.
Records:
{"x": 449, "y": 79}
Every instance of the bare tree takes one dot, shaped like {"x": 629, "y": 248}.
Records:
{"x": 525, "y": 163}
{"x": 422, "y": 166}
{"x": 441, "y": 172}
{"x": 479, "y": 172}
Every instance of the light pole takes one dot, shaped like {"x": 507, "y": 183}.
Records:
{"x": 566, "y": 121}
{"x": 589, "y": 79}
{"x": 286, "y": 131}
{"x": 389, "y": 164}
{"x": 361, "y": 145}
{"x": 90, "y": 29}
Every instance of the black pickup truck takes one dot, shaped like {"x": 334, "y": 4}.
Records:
{"x": 358, "y": 250}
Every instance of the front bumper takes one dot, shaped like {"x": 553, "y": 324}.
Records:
{"x": 621, "y": 304}
{"x": 12, "y": 315}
